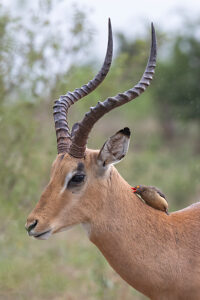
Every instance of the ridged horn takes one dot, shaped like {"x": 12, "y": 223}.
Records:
{"x": 83, "y": 128}
{"x": 61, "y": 106}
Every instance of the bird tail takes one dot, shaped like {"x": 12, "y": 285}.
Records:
{"x": 167, "y": 212}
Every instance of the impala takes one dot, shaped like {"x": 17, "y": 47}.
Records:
{"x": 158, "y": 255}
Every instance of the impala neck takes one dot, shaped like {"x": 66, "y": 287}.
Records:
{"x": 132, "y": 236}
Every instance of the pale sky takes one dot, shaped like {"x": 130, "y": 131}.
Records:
{"x": 130, "y": 16}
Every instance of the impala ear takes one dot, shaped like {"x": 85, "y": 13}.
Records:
{"x": 115, "y": 148}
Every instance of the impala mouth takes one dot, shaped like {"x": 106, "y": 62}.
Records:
{"x": 43, "y": 235}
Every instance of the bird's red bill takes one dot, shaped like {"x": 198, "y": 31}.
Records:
{"x": 134, "y": 189}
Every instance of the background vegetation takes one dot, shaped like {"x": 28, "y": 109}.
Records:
{"x": 39, "y": 62}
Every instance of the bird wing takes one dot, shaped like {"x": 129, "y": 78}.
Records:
{"x": 159, "y": 192}
{"x": 162, "y": 195}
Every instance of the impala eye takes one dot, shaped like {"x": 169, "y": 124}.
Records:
{"x": 76, "y": 180}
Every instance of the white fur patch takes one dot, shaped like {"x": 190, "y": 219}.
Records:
{"x": 67, "y": 179}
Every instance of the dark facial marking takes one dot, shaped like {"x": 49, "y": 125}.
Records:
{"x": 62, "y": 156}
{"x": 80, "y": 167}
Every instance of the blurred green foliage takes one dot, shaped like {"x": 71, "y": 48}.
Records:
{"x": 39, "y": 62}
{"x": 177, "y": 88}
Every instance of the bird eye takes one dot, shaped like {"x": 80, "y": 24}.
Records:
{"x": 76, "y": 180}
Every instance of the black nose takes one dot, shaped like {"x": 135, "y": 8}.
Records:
{"x": 32, "y": 225}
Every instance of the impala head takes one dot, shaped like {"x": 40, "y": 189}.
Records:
{"x": 79, "y": 176}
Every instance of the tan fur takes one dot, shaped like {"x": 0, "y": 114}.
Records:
{"x": 159, "y": 255}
